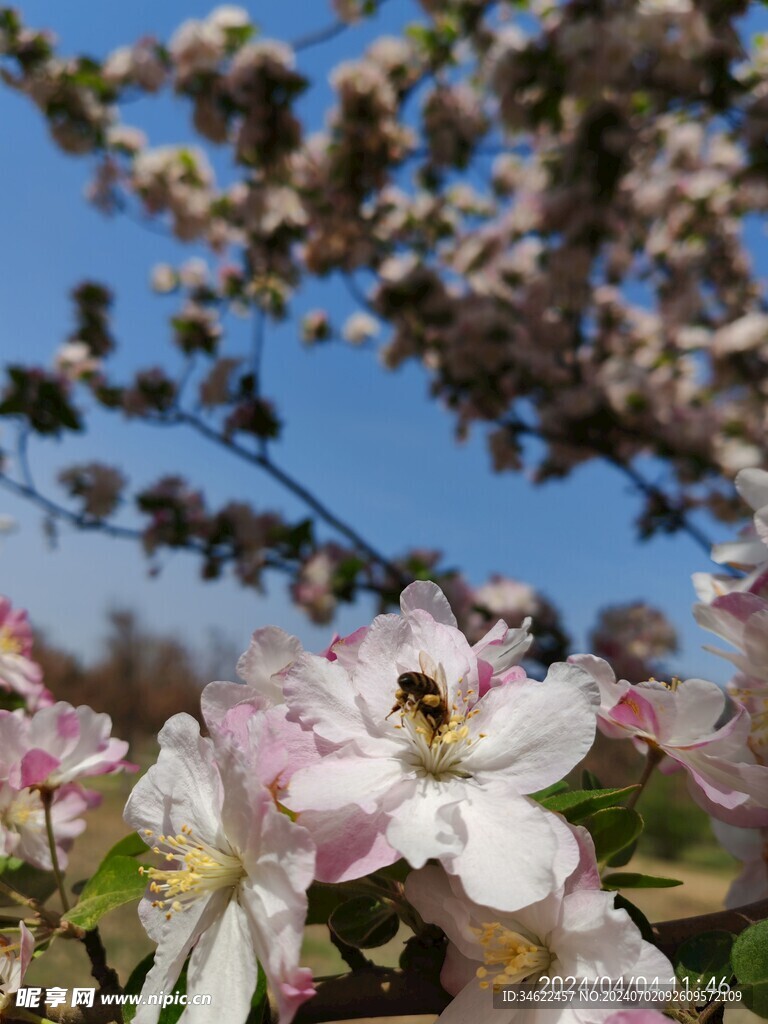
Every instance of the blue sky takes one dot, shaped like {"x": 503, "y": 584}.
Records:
{"x": 370, "y": 444}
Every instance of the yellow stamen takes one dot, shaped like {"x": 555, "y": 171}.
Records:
{"x": 509, "y": 957}
{"x": 202, "y": 869}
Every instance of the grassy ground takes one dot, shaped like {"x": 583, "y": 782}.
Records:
{"x": 706, "y": 876}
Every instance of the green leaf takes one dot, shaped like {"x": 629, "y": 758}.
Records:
{"x": 750, "y": 965}
{"x": 613, "y": 829}
{"x": 705, "y": 959}
{"x": 618, "y": 860}
{"x": 553, "y": 790}
{"x": 131, "y": 846}
{"x": 638, "y": 917}
{"x": 590, "y": 781}
{"x": 116, "y": 882}
{"x": 29, "y": 881}
{"x": 259, "y": 1012}
{"x": 633, "y": 880}
{"x": 364, "y": 922}
{"x": 580, "y": 803}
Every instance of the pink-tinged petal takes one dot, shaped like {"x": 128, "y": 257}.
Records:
{"x": 343, "y": 778}
{"x": 345, "y": 649}
{"x": 749, "y": 885}
{"x": 756, "y": 642}
{"x": 731, "y": 740}
{"x": 270, "y": 653}
{"x": 422, "y": 825}
{"x": 426, "y": 596}
{"x": 512, "y": 857}
{"x": 36, "y": 766}
{"x": 320, "y": 696}
{"x": 637, "y": 1017}
{"x": 749, "y": 845}
{"x": 292, "y": 993}
{"x": 739, "y": 606}
{"x": 223, "y": 966}
{"x": 350, "y": 844}
{"x": 736, "y": 793}
{"x": 475, "y": 1004}
{"x": 219, "y": 698}
{"x": 698, "y": 706}
{"x": 79, "y": 738}
{"x": 458, "y": 970}
{"x": 27, "y": 947}
{"x": 68, "y": 724}
{"x": 611, "y": 689}
{"x": 502, "y": 647}
{"x": 14, "y": 726}
{"x": 277, "y": 748}
{"x": 534, "y": 732}
{"x": 175, "y": 937}
{"x": 587, "y": 873}
{"x": 635, "y": 714}
{"x": 440, "y": 900}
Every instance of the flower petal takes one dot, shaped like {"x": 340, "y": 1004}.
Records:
{"x": 342, "y": 778}
{"x": 320, "y": 696}
{"x": 223, "y": 966}
{"x": 534, "y": 732}
{"x": 422, "y": 825}
{"x": 174, "y": 936}
{"x": 516, "y": 853}
{"x": 427, "y": 596}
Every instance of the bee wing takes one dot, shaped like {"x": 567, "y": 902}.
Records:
{"x": 427, "y": 665}
{"x": 441, "y": 681}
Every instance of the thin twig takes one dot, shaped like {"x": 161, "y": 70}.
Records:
{"x": 679, "y": 516}
{"x": 711, "y": 1010}
{"x": 46, "y": 795}
{"x": 263, "y": 460}
{"x": 328, "y": 32}
{"x": 191, "y": 545}
{"x": 652, "y": 759}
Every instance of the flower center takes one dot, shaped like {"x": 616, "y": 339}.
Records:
{"x": 439, "y": 752}
{"x": 203, "y": 869}
{"x": 25, "y": 810}
{"x": 509, "y": 957}
{"x": 9, "y": 644}
{"x": 757, "y": 704}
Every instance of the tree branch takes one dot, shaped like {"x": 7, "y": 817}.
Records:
{"x": 263, "y": 461}
{"x": 324, "y": 35}
{"x": 377, "y": 991}
{"x": 669, "y": 935}
{"x": 681, "y": 519}
{"x": 373, "y": 992}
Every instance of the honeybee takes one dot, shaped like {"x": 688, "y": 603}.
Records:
{"x": 424, "y": 692}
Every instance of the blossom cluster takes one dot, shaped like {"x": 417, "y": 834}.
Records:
{"x": 47, "y": 748}
{"x": 605, "y": 169}
{"x": 404, "y": 751}
{"x": 404, "y": 743}
{"x": 735, "y": 608}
